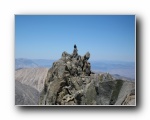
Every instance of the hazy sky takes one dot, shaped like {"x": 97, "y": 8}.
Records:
{"x": 106, "y": 37}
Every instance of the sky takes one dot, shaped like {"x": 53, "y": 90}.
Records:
{"x": 106, "y": 37}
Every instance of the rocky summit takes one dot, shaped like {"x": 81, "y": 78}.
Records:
{"x": 70, "y": 81}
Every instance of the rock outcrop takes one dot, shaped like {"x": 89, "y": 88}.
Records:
{"x": 70, "y": 81}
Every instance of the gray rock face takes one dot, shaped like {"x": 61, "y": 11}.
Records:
{"x": 71, "y": 82}
{"x": 126, "y": 95}
{"x": 25, "y": 95}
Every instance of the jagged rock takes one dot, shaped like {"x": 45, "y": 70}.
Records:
{"x": 87, "y": 56}
{"x": 71, "y": 82}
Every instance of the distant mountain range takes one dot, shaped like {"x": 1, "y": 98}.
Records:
{"x": 24, "y": 63}
{"x": 124, "y": 70}
{"x": 32, "y": 63}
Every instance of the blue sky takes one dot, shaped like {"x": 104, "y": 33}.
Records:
{"x": 106, "y": 37}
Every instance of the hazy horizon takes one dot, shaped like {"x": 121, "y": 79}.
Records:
{"x": 88, "y": 60}
{"x": 126, "y": 69}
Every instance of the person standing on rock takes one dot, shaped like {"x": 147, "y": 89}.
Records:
{"x": 75, "y": 51}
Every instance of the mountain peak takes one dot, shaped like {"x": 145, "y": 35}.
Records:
{"x": 70, "y": 81}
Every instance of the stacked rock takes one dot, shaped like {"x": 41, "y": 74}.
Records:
{"x": 66, "y": 78}
{"x": 75, "y": 64}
